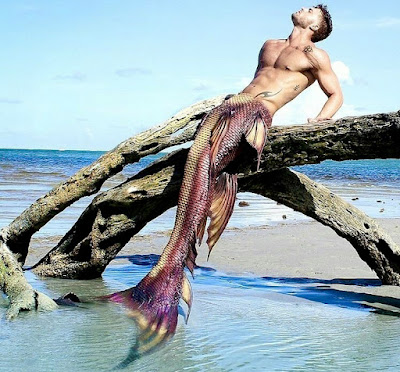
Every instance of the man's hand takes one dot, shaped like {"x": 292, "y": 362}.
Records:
{"x": 317, "y": 120}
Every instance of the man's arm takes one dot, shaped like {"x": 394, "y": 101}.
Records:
{"x": 329, "y": 83}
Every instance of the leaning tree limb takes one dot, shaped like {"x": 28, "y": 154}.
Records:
{"x": 88, "y": 181}
{"x": 116, "y": 215}
{"x": 113, "y": 218}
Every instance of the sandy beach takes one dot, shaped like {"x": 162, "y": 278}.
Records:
{"x": 306, "y": 250}
{"x": 312, "y": 310}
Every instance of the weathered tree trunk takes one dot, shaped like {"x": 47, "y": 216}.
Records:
{"x": 15, "y": 238}
{"x": 115, "y": 216}
{"x": 87, "y": 181}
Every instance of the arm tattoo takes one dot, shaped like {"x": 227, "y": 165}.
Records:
{"x": 268, "y": 94}
{"x": 297, "y": 87}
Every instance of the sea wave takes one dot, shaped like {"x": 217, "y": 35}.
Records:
{"x": 25, "y": 175}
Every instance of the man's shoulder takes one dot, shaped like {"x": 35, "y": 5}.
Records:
{"x": 317, "y": 56}
{"x": 275, "y": 41}
{"x": 319, "y": 52}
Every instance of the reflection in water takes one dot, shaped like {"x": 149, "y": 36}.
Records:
{"x": 236, "y": 324}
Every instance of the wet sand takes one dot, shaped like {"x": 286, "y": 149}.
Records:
{"x": 306, "y": 250}
{"x": 300, "y": 251}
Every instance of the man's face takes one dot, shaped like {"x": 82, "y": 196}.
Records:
{"x": 306, "y": 17}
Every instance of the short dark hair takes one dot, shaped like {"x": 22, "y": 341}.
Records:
{"x": 325, "y": 28}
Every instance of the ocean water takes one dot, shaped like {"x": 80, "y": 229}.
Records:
{"x": 237, "y": 323}
{"x": 25, "y": 175}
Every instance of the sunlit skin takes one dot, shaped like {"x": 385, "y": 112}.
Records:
{"x": 286, "y": 67}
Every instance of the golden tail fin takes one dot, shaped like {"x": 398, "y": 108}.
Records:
{"x": 154, "y": 308}
{"x": 221, "y": 207}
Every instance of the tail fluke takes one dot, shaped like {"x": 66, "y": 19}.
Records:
{"x": 187, "y": 295}
{"x": 153, "y": 305}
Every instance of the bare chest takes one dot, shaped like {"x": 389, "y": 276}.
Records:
{"x": 287, "y": 57}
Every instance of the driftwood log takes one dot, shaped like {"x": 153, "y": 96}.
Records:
{"x": 115, "y": 216}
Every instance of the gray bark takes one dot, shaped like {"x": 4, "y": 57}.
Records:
{"x": 112, "y": 219}
{"x": 115, "y": 216}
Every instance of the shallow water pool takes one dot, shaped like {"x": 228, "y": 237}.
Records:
{"x": 236, "y": 324}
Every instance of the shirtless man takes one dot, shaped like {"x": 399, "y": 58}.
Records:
{"x": 287, "y": 67}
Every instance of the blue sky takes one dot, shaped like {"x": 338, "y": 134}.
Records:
{"x": 89, "y": 74}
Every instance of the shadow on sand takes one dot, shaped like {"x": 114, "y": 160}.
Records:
{"x": 356, "y": 293}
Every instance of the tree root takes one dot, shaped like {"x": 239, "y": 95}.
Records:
{"x": 20, "y": 293}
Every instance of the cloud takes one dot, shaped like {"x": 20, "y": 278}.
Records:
{"x": 310, "y": 102}
{"x": 387, "y": 22}
{"x": 10, "y": 101}
{"x": 383, "y": 22}
{"x": 306, "y": 105}
{"x": 220, "y": 86}
{"x": 132, "y": 71}
{"x": 242, "y": 82}
{"x": 89, "y": 133}
{"x": 343, "y": 72}
{"x": 351, "y": 110}
{"x": 75, "y": 76}
{"x": 203, "y": 85}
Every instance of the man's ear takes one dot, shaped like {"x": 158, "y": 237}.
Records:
{"x": 314, "y": 27}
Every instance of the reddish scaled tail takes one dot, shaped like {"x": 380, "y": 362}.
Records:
{"x": 205, "y": 192}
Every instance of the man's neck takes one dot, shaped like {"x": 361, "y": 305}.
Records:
{"x": 299, "y": 36}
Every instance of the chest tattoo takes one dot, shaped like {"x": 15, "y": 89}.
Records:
{"x": 268, "y": 94}
{"x": 297, "y": 87}
{"x": 307, "y": 49}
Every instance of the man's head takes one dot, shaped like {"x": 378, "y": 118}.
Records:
{"x": 317, "y": 19}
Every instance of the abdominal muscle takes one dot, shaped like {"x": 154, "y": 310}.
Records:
{"x": 275, "y": 87}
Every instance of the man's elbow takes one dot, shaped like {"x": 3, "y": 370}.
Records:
{"x": 337, "y": 97}
{"x": 340, "y": 100}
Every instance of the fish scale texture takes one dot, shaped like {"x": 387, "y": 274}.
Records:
{"x": 154, "y": 301}
{"x": 201, "y": 171}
